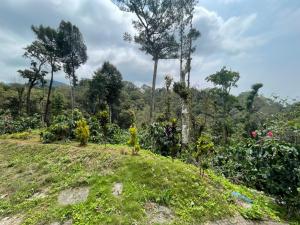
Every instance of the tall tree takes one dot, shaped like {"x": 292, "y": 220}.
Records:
{"x": 73, "y": 52}
{"x": 224, "y": 80}
{"x": 187, "y": 35}
{"x": 48, "y": 38}
{"x": 105, "y": 88}
{"x": 35, "y": 75}
{"x": 155, "y": 26}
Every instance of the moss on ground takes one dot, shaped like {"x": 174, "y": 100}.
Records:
{"x": 28, "y": 168}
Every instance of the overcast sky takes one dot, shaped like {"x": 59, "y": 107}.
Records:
{"x": 258, "y": 38}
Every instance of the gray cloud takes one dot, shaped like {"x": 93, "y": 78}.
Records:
{"x": 224, "y": 41}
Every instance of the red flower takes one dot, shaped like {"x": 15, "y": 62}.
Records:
{"x": 270, "y": 134}
{"x": 254, "y": 134}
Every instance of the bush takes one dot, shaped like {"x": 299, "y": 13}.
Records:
{"x": 165, "y": 137}
{"x": 82, "y": 132}
{"x": 204, "y": 147}
{"x": 133, "y": 141}
{"x": 266, "y": 164}
{"x": 62, "y": 128}
{"x": 114, "y": 134}
{"x": 9, "y": 125}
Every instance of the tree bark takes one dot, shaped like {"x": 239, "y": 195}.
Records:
{"x": 152, "y": 107}
{"x": 47, "y": 119}
{"x": 28, "y": 102}
{"x": 184, "y": 106}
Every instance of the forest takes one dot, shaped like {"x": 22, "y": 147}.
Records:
{"x": 249, "y": 139}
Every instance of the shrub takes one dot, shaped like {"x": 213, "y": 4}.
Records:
{"x": 47, "y": 137}
{"x": 9, "y": 125}
{"x": 103, "y": 121}
{"x": 165, "y": 137}
{"x": 204, "y": 147}
{"x": 82, "y": 132}
{"x": 266, "y": 164}
{"x": 133, "y": 141}
{"x": 62, "y": 128}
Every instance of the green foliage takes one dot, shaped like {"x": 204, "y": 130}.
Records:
{"x": 9, "y": 125}
{"x": 204, "y": 147}
{"x": 224, "y": 78}
{"x": 62, "y": 128}
{"x": 165, "y": 137}
{"x": 58, "y": 103}
{"x": 82, "y": 132}
{"x": 103, "y": 118}
{"x": 105, "y": 88}
{"x": 265, "y": 164}
{"x": 126, "y": 118}
{"x": 181, "y": 89}
{"x": 133, "y": 141}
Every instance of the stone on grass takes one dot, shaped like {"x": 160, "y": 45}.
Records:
{"x": 15, "y": 220}
{"x": 73, "y": 196}
{"x": 158, "y": 214}
{"x": 239, "y": 220}
{"x": 69, "y": 222}
{"x": 117, "y": 189}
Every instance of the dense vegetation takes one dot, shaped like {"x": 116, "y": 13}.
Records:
{"x": 250, "y": 139}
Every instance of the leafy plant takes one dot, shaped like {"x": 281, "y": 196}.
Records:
{"x": 133, "y": 141}
{"x": 204, "y": 147}
{"x": 82, "y": 132}
{"x": 165, "y": 137}
{"x": 103, "y": 121}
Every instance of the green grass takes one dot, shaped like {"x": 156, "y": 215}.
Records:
{"x": 28, "y": 167}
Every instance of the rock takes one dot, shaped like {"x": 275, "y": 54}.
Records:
{"x": 158, "y": 214}
{"x": 3, "y": 196}
{"x": 73, "y": 196}
{"x": 69, "y": 222}
{"x": 239, "y": 220}
{"x": 117, "y": 189}
{"x": 15, "y": 220}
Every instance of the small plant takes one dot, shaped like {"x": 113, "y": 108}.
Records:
{"x": 82, "y": 132}
{"x": 133, "y": 141}
{"x": 104, "y": 120}
{"x": 204, "y": 146}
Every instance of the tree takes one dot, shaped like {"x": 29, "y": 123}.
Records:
{"x": 48, "y": 39}
{"x": 58, "y": 104}
{"x": 73, "y": 52}
{"x": 105, "y": 88}
{"x": 250, "y": 121}
{"x": 224, "y": 80}
{"x": 187, "y": 35}
{"x": 155, "y": 26}
{"x": 35, "y": 75}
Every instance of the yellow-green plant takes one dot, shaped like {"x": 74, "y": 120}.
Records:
{"x": 133, "y": 141}
{"x": 82, "y": 132}
{"x": 204, "y": 146}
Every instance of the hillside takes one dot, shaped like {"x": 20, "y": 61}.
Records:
{"x": 66, "y": 184}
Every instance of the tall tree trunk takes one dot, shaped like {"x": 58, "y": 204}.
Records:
{"x": 110, "y": 112}
{"x": 47, "y": 119}
{"x": 28, "y": 102}
{"x": 185, "y": 128}
{"x": 152, "y": 108}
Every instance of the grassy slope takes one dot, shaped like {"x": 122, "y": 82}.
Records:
{"x": 28, "y": 167}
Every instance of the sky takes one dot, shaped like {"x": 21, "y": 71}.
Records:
{"x": 258, "y": 38}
